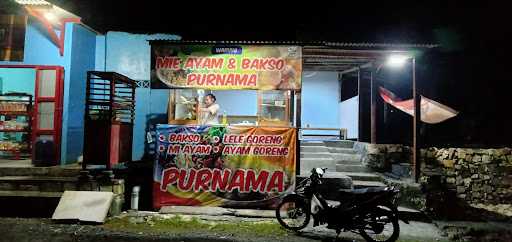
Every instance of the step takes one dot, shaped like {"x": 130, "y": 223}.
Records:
{"x": 332, "y": 181}
{"x": 38, "y": 183}
{"x": 363, "y": 176}
{"x": 343, "y": 181}
{"x": 363, "y": 184}
{"x": 37, "y": 179}
{"x": 346, "y": 157}
{"x": 351, "y": 168}
{"x": 339, "y": 143}
{"x": 29, "y": 194}
{"x": 307, "y": 164}
{"x": 40, "y": 171}
{"x": 348, "y": 162}
{"x": 315, "y": 155}
{"x": 311, "y": 143}
{"x": 313, "y": 149}
{"x": 341, "y": 150}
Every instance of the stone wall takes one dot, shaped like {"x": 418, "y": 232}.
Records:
{"x": 393, "y": 158}
{"x": 475, "y": 175}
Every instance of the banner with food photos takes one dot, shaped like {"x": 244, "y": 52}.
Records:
{"x": 226, "y": 67}
{"x": 230, "y": 166}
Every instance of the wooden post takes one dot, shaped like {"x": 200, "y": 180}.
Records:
{"x": 416, "y": 126}
{"x": 297, "y": 126}
{"x": 373, "y": 109}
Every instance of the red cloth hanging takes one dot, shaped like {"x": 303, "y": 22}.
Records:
{"x": 431, "y": 111}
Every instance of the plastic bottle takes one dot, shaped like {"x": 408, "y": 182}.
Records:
{"x": 134, "y": 205}
{"x": 224, "y": 118}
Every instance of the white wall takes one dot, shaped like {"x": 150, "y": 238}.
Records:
{"x": 349, "y": 112}
{"x": 320, "y": 100}
{"x": 237, "y": 102}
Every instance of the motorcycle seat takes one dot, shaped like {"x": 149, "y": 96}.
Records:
{"x": 364, "y": 190}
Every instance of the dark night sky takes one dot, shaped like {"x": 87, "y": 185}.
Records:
{"x": 473, "y": 69}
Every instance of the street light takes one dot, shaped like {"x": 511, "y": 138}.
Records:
{"x": 396, "y": 60}
{"x": 50, "y": 16}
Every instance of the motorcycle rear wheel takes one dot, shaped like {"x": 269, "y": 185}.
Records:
{"x": 293, "y": 213}
{"x": 381, "y": 226}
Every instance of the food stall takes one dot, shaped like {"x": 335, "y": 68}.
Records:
{"x": 244, "y": 160}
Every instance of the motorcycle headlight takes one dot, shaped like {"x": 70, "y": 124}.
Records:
{"x": 319, "y": 171}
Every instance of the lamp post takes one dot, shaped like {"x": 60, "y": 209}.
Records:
{"x": 417, "y": 118}
{"x": 398, "y": 61}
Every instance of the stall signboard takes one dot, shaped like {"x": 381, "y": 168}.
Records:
{"x": 218, "y": 67}
{"x": 233, "y": 166}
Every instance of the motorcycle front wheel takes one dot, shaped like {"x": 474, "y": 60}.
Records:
{"x": 293, "y": 213}
{"x": 381, "y": 225}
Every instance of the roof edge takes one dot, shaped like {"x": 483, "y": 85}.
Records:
{"x": 301, "y": 43}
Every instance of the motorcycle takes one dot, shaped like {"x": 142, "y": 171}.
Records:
{"x": 369, "y": 212}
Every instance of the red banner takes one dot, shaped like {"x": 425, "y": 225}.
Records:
{"x": 223, "y": 166}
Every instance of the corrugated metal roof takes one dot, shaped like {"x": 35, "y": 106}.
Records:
{"x": 47, "y": 7}
{"x": 304, "y": 43}
{"x": 325, "y": 55}
{"x": 32, "y": 2}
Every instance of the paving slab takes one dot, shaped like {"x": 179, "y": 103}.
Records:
{"x": 84, "y": 206}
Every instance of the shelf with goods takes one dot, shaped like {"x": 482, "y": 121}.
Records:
{"x": 15, "y": 128}
{"x": 274, "y": 108}
{"x": 184, "y": 106}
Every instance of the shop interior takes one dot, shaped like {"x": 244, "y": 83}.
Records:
{"x": 237, "y": 107}
{"x": 29, "y": 97}
{"x": 17, "y": 87}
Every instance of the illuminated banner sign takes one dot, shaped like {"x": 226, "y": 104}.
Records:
{"x": 226, "y": 67}
{"x": 223, "y": 166}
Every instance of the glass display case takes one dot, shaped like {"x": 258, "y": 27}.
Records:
{"x": 183, "y": 106}
{"x": 274, "y": 108}
{"x": 15, "y": 124}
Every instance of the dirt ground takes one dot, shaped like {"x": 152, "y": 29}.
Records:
{"x": 30, "y": 229}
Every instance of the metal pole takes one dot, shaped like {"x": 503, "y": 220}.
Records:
{"x": 360, "y": 114}
{"x": 373, "y": 108}
{"x": 416, "y": 120}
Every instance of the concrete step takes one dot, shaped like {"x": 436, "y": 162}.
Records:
{"x": 37, "y": 179}
{"x": 341, "y": 150}
{"x": 332, "y": 181}
{"x": 339, "y": 143}
{"x": 312, "y": 143}
{"x": 364, "y": 184}
{"x": 337, "y": 179}
{"x": 350, "y": 168}
{"x": 346, "y": 157}
{"x": 348, "y": 162}
{"x": 29, "y": 194}
{"x": 40, "y": 171}
{"x": 313, "y": 149}
{"x": 362, "y": 176}
{"x": 306, "y": 164}
{"x": 38, "y": 183}
{"x": 316, "y": 155}
{"x": 343, "y": 181}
